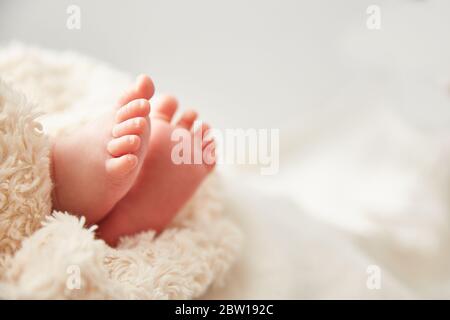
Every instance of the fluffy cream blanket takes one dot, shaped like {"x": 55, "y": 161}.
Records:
{"x": 53, "y": 255}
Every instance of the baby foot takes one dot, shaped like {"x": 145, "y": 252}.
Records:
{"x": 162, "y": 187}
{"x": 94, "y": 167}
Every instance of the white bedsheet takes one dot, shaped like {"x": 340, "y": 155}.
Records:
{"x": 372, "y": 194}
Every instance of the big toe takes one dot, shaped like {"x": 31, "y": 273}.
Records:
{"x": 165, "y": 108}
{"x": 143, "y": 88}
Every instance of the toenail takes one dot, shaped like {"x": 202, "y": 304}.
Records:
{"x": 131, "y": 159}
{"x": 137, "y": 123}
{"x": 131, "y": 139}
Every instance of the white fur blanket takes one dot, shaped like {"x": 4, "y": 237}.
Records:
{"x": 52, "y": 255}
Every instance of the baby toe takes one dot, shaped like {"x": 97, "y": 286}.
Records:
{"x": 121, "y": 166}
{"x": 187, "y": 119}
{"x": 123, "y": 145}
{"x": 201, "y": 130}
{"x": 165, "y": 108}
{"x": 142, "y": 88}
{"x": 209, "y": 154}
{"x": 134, "y": 126}
{"x": 135, "y": 108}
